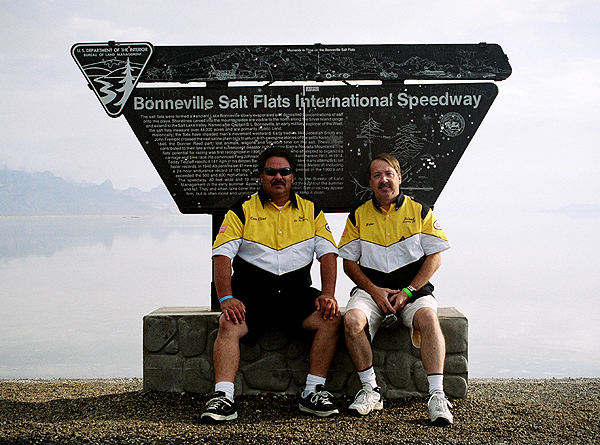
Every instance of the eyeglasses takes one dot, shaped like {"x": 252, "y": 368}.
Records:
{"x": 282, "y": 171}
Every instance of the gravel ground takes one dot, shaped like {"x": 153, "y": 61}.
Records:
{"x": 496, "y": 411}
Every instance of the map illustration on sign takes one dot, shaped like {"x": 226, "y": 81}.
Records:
{"x": 112, "y": 70}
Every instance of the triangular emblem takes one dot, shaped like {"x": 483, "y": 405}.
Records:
{"x": 112, "y": 70}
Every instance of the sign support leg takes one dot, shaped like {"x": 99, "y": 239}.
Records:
{"x": 217, "y": 220}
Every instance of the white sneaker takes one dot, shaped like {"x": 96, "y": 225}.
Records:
{"x": 439, "y": 409}
{"x": 366, "y": 400}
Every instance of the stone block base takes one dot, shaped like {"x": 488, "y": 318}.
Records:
{"x": 178, "y": 348}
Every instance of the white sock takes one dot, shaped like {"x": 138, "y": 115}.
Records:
{"x": 311, "y": 384}
{"x": 368, "y": 376}
{"x": 436, "y": 383}
{"x": 226, "y": 387}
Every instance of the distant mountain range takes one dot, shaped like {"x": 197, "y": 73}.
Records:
{"x": 44, "y": 194}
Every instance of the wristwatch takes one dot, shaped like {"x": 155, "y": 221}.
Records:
{"x": 411, "y": 289}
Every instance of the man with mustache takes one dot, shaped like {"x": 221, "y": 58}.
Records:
{"x": 270, "y": 240}
{"x": 391, "y": 247}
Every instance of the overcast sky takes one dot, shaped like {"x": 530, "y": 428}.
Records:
{"x": 538, "y": 138}
{"x": 522, "y": 207}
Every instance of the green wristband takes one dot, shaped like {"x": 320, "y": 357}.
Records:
{"x": 407, "y": 292}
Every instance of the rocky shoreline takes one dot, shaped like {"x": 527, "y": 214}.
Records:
{"x": 496, "y": 411}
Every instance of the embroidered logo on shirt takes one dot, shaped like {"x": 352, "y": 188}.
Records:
{"x": 409, "y": 220}
{"x": 223, "y": 228}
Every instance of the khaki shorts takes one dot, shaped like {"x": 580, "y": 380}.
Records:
{"x": 361, "y": 300}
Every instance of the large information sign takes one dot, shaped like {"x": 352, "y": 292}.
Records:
{"x": 204, "y": 142}
{"x": 204, "y": 135}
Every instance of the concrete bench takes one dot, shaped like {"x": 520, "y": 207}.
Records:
{"x": 178, "y": 346}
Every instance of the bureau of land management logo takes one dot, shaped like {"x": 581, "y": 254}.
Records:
{"x": 112, "y": 70}
{"x": 452, "y": 124}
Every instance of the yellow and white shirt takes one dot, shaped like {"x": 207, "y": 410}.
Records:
{"x": 391, "y": 245}
{"x": 275, "y": 240}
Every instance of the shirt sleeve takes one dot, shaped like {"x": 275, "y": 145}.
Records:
{"x": 434, "y": 239}
{"x": 229, "y": 238}
{"x": 349, "y": 245}
{"x": 324, "y": 241}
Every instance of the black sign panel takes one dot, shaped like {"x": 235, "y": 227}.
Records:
{"x": 392, "y": 62}
{"x": 204, "y": 142}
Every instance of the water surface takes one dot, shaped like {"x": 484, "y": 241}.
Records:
{"x": 74, "y": 291}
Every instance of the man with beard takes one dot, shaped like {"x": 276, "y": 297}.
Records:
{"x": 391, "y": 247}
{"x": 270, "y": 240}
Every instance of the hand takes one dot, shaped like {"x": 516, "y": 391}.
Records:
{"x": 233, "y": 310}
{"x": 382, "y": 298}
{"x": 399, "y": 299}
{"x": 328, "y": 306}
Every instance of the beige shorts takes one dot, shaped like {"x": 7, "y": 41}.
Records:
{"x": 361, "y": 300}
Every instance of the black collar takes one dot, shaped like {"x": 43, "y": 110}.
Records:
{"x": 264, "y": 197}
{"x": 399, "y": 201}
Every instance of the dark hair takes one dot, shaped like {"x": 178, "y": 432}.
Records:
{"x": 278, "y": 151}
{"x": 390, "y": 159}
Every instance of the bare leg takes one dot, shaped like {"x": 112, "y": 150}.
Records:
{"x": 324, "y": 345}
{"x": 226, "y": 354}
{"x": 433, "y": 346}
{"x": 357, "y": 342}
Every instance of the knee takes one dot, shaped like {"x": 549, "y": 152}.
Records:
{"x": 316, "y": 322}
{"x": 228, "y": 329}
{"x": 354, "y": 322}
{"x": 224, "y": 324}
{"x": 426, "y": 320}
{"x": 333, "y": 325}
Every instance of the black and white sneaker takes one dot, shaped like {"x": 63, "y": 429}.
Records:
{"x": 219, "y": 409}
{"x": 318, "y": 403}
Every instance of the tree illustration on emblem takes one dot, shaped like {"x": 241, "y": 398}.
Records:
{"x": 127, "y": 82}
